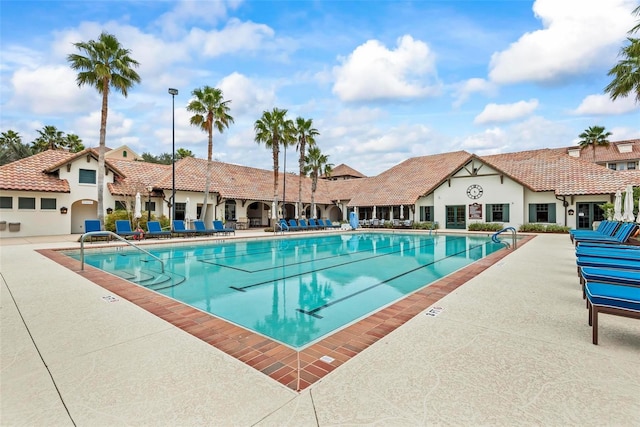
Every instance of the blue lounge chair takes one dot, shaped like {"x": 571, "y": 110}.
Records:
{"x": 606, "y": 228}
{"x": 155, "y": 230}
{"x": 202, "y": 230}
{"x": 180, "y": 230}
{"x": 608, "y": 252}
{"x": 283, "y": 226}
{"x": 123, "y": 229}
{"x": 314, "y": 224}
{"x": 220, "y": 228}
{"x": 293, "y": 225}
{"x": 302, "y": 223}
{"x": 330, "y": 224}
{"x": 611, "y": 299}
{"x": 93, "y": 225}
{"x": 621, "y": 235}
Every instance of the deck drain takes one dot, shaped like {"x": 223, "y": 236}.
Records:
{"x": 110, "y": 298}
{"x": 327, "y": 359}
{"x": 434, "y": 311}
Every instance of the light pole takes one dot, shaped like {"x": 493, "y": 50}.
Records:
{"x": 149, "y": 190}
{"x": 173, "y": 93}
{"x": 284, "y": 185}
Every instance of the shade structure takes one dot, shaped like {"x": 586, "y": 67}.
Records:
{"x": 627, "y": 214}
{"x": 617, "y": 207}
{"x": 137, "y": 210}
{"x": 274, "y": 211}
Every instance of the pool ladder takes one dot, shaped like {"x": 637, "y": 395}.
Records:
{"x": 117, "y": 237}
{"x": 495, "y": 239}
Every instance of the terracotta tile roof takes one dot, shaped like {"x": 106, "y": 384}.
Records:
{"x": 93, "y": 152}
{"x": 343, "y": 170}
{"x": 136, "y": 176}
{"x": 29, "y": 174}
{"x": 608, "y": 154}
{"x": 240, "y": 182}
{"x": 405, "y": 182}
{"x": 552, "y": 169}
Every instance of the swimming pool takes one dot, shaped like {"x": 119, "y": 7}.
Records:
{"x": 295, "y": 290}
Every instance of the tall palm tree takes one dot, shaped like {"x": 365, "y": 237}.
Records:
{"x": 626, "y": 73}
{"x": 50, "y": 139}
{"x": 305, "y": 134}
{"x": 107, "y": 65}
{"x": 73, "y": 143}
{"x": 12, "y": 148}
{"x": 593, "y": 136}
{"x": 316, "y": 164}
{"x": 211, "y": 112}
{"x": 273, "y": 129}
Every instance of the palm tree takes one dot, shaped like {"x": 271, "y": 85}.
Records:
{"x": 106, "y": 65}
{"x": 305, "y": 134}
{"x": 626, "y": 73}
{"x": 273, "y": 129}
{"x": 593, "y": 136}
{"x": 210, "y": 112}
{"x": 181, "y": 153}
{"x": 50, "y": 139}
{"x": 73, "y": 143}
{"x": 12, "y": 148}
{"x": 316, "y": 164}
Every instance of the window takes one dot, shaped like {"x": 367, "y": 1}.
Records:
{"x": 498, "y": 213}
{"x": 230, "y": 210}
{"x": 631, "y": 165}
{"x": 121, "y": 206}
{"x": 48, "y": 204}
{"x": 87, "y": 176}
{"x": 26, "y": 202}
{"x": 426, "y": 213}
{"x": 542, "y": 212}
{"x": 612, "y": 166}
{"x": 124, "y": 153}
{"x": 6, "y": 202}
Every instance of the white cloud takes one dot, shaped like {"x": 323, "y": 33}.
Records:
{"x": 374, "y": 72}
{"x": 185, "y": 11}
{"x": 497, "y": 113}
{"x": 577, "y": 35}
{"x": 245, "y": 95}
{"x": 237, "y": 36}
{"x": 603, "y": 105}
{"x": 49, "y": 89}
{"x": 475, "y": 85}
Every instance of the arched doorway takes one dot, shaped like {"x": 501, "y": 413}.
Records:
{"x": 81, "y": 210}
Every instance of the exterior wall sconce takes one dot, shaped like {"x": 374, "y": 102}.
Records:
{"x": 109, "y": 211}
{"x": 63, "y": 210}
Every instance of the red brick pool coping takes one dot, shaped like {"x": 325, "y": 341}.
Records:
{"x": 270, "y": 357}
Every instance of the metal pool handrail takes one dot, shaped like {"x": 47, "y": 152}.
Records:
{"x": 111, "y": 233}
{"x": 495, "y": 239}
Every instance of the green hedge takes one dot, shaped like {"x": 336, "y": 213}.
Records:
{"x": 110, "y": 220}
{"x": 543, "y": 228}
{"x": 485, "y": 226}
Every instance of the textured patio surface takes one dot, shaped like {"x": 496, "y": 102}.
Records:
{"x": 509, "y": 347}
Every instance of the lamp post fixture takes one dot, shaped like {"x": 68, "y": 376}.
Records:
{"x": 284, "y": 185}
{"x": 149, "y": 190}
{"x": 173, "y": 93}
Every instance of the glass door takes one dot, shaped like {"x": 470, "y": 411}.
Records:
{"x": 587, "y": 214}
{"x": 456, "y": 217}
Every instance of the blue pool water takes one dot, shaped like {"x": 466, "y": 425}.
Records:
{"x": 295, "y": 290}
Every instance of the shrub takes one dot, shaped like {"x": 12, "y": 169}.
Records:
{"x": 543, "y": 228}
{"x": 426, "y": 225}
{"x": 485, "y": 226}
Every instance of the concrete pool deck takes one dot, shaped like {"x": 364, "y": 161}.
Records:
{"x": 510, "y": 347}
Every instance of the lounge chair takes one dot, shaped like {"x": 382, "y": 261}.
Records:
{"x": 220, "y": 228}
{"x": 123, "y": 229}
{"x": 606, "y": 274}
{"x": 93, "y": 225}
{"x": 314, "y": 224}
{"x": 155, "y": 230}
{"x": 180, "y": 230}
{"x": 201, "y": 229}
{"x": 621, "y": 235}
{"x": 302, "y": 223}
{"x": 283, "y": 226}
{"x": 618, "y": 300}
{"x": 328, "y": 223}
{"x": 293, "y": 225}
{"x": 608, "y": 252}
{"x": 606, "y": 228}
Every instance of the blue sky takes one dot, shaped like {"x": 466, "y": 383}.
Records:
{"x": 382, "y": 80}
